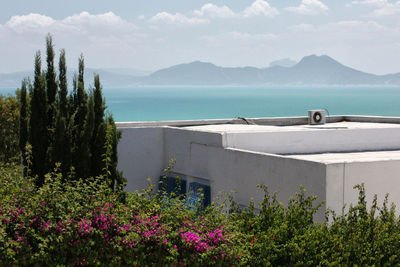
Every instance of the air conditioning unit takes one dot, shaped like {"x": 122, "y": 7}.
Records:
{"x": 316, "y": 117}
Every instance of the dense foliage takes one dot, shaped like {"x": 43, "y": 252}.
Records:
{"x": 86, "y": 223}
{"x": 9, "y": 129}
{"x": 71, "y": 129}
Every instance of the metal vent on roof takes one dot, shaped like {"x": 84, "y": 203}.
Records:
{"x": 316, "y": 117}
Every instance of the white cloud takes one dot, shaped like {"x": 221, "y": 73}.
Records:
{"x": 108, "y": 18}
{"x": 214, "y": 11}
{"x": 309, "y": 7}
{"x": 209, "y": 11}
{"x": 260, "y": 7}
{"x": 29, "y": 22}
{"x": 387, "y": 10}
{"x": 88, "y": 23}
{"x": 382, "y": 7}
{"x": 75, "y": 23}
{"x": 177, "y": 18}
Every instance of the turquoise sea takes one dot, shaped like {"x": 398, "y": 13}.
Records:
{"x": 186, "y": 103}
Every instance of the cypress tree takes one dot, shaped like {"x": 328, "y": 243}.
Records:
{"x": 81, "y": 70}
{"x": 23, "y": 120}
{"x": 62, "y": 153}
{"x": 111, "y": 156}
{"x": 99, "y": 106}
{"x": 74, "y": 96}
{"x": 62, "y": 144}
{"x": 38, "y": 123}
{"x": 99, "y": 129}
{"x": 82, "y": 153}
{"x": 63, "y": 85}
{"x": 89, "y": 132}
{"x": 50, "y": 81}
{"x": 51, "y": 86}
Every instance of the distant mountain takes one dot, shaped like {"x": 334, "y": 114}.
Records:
{"x": 200, "y": 73}
{"x": 311, "y": 70}
{"x": 325, "y": 70}
{"x": 285, "y": 62}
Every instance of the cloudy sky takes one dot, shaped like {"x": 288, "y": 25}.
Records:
{"x": 152, "y": 34}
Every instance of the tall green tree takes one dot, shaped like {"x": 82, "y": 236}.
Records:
{"x": 51, "y": 84}
{"x": 74, "y": 96}
{"x": 111, "y": 155}
{"x": 62, "y": 144}
{"x": 99, "y": 129}
{"x": 82, "y": 139}
{"x": 38, "y": 123}
{"x": 23, "y": 121}
{"x": 63, "y": 85}
{"x": 51, "y": 92}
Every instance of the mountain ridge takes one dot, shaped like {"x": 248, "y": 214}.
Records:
{"x": 310, "y": 70}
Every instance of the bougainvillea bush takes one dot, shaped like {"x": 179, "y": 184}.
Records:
{"x": 86, "y": 223}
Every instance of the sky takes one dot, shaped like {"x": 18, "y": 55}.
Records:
{"x": 153, "y": 34}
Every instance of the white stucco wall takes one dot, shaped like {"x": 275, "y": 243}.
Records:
{"x": 380, "y": 178}
{"x": 141, "y": 155}
{"x": 178, "y": 145}
{"x": 241, "y": 171}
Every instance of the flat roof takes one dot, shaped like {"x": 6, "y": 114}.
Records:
{"x": 328, "y": 143}
{"x": 243, "y": 128}
{"x": 367, "y": 156}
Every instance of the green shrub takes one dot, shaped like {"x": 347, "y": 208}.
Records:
{"x": 280, "y": 235}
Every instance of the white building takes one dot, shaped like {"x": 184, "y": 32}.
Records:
{"x": 282, "y": 153}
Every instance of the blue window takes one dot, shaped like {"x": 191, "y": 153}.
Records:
{"x": 172, "y": 185}
{"x": 199, "y": 192}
